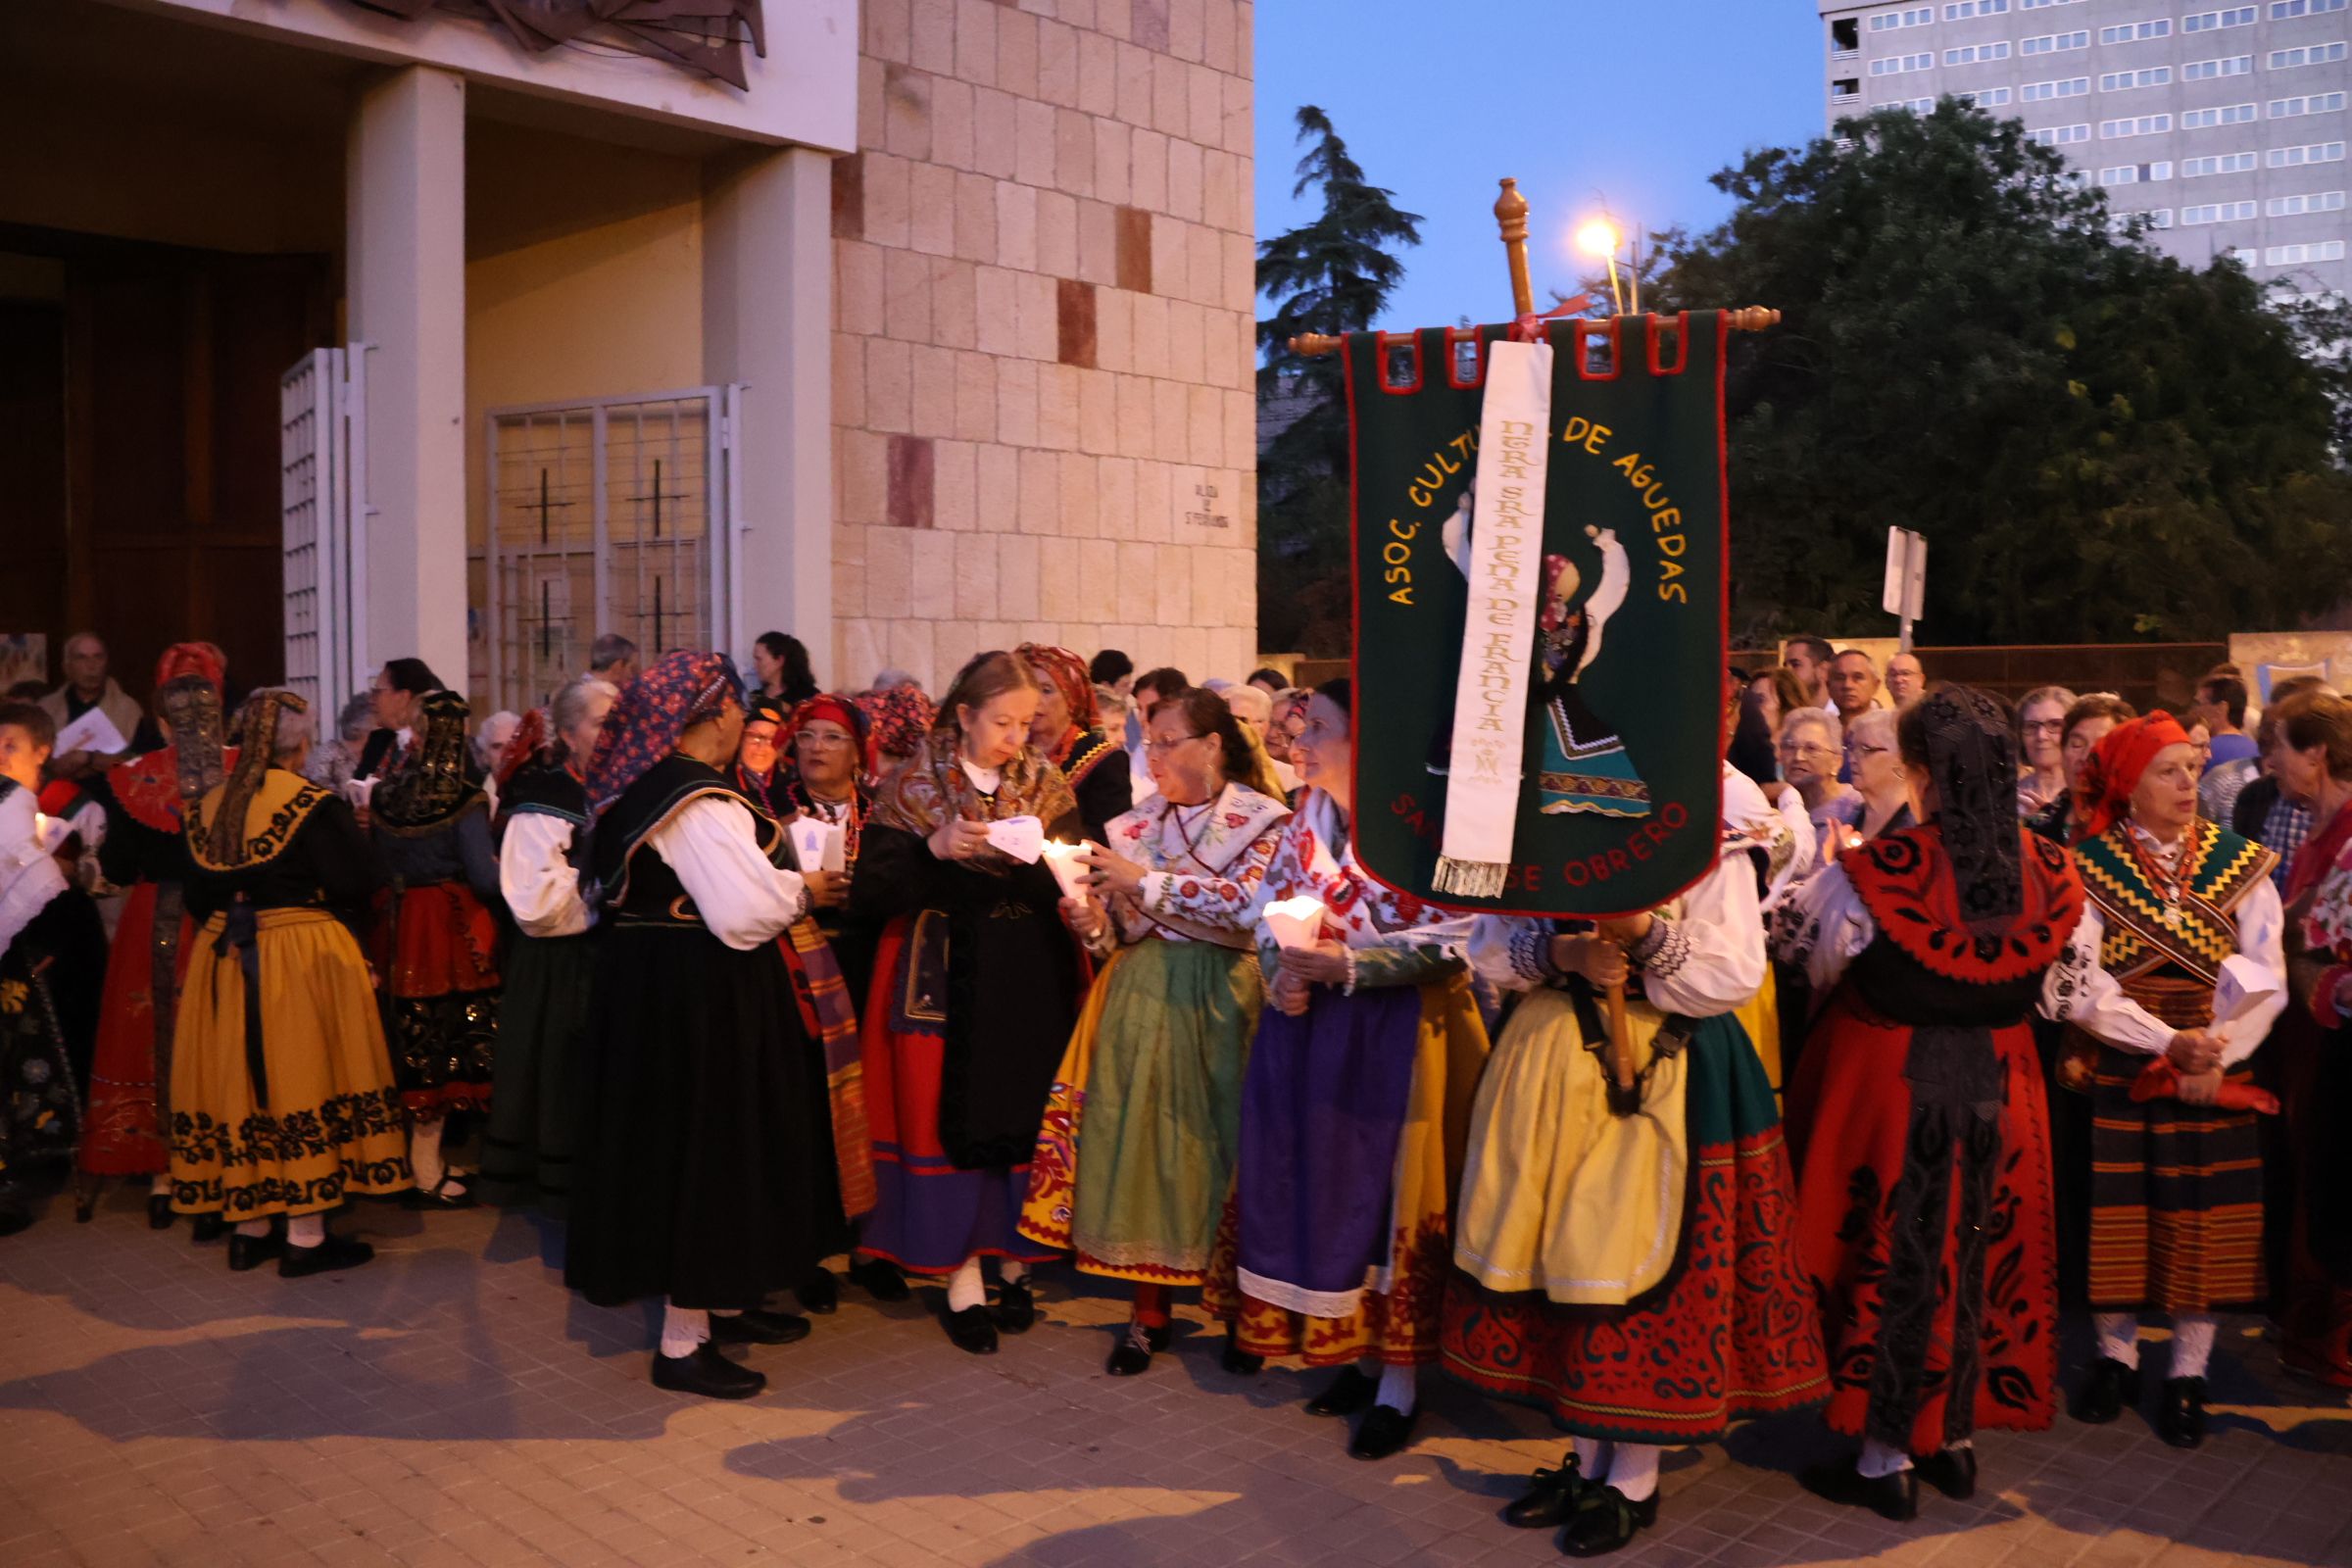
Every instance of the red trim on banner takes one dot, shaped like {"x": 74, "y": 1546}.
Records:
{"x": 1420, "y": 370}
{"x": 1723, "y": 487}
{"x": 1456, "y": 336}
{"x": 1583, "y": 362}
{"x": 1682, "y": 344}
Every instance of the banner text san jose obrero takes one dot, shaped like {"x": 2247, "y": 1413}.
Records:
{"x": 1619, "y": 794}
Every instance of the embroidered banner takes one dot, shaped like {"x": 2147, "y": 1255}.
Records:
{"x": 1615, "y": 802}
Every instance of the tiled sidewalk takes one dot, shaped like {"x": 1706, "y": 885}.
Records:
{"x": 452, "y": 1404}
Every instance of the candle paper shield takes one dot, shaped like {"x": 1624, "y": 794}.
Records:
{"x": 1619, "y": 802}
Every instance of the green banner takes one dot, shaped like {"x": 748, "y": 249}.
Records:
{"x": 1620, "y": 795}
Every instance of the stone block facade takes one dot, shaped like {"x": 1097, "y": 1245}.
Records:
{"x": 1043, "y": 350}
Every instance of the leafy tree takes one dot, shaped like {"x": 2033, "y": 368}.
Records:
{"x": 2099, "y": 442}
{"x": 1331, "y": 275}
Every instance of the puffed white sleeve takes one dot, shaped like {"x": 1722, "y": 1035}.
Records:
{"x": 537, "y": 881}
{"x": 1710, "y": 959}
{"x": 1823, "y": 927}
{"x": 2261, "y": 938}
{"x": 2078, "y": 991}
{"x": 744, "y": 900}
{"x": 1509, "y": 951}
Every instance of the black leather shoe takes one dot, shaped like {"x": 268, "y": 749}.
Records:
{"x": 248, "y": 1253}
{"x": 1549, "y": 1499}
{"x": 707, "y": 1373}
{"x": 1135, "y": 1350}
{"x": 1236, "y": 1361}
{"x": 973, "y": 1330}
{"x": 207, "y": 1228}
{"x": 1346, "y": 1394}
{"x": 336, "y": 1251}
{"x": 1893, "y": 1496}
{"x": 1952, "y": 1472}
{"x": 2180, "y": 1417}
{"x": 1602, "y": 1520}
{"x": 757, "y": 1328}
{"x": 880, "y": 1278}
{"x": 819, "y": 1292}
{"x": 1016, "y": 1308}
{"x": 438, "y": 1195}
{"x": 2110, "y": 1387}
{"x": 158, "y": 1211}
{"x": 1382, "y": 1433}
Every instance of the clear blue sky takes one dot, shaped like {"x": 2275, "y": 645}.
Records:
{"x": 1580, "y": 100}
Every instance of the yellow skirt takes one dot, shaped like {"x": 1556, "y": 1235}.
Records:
{"x": 332, "y": 1127}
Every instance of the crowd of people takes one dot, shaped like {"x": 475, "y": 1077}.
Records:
{"x": 1982, "y": 1011}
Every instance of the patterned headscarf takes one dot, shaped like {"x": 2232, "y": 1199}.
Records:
{"x": 2111, "y": 772}
{"x": 901, "y": 717}
{"x": 652, "y": 712}
{"x": 201, "y": 660}
{"x": 1067, "y": 671}
{"x": 431, "y": 788}
{"x": 1972, "y": 756}
{"x": 227, "y": 843}
{"x": 191, "y": 706}
{"x": 842, "y": 710}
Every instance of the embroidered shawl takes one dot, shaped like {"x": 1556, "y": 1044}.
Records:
{"x": 1209, "y": 879}
{"x": 1317, "y": 858}
{"x": 2217, "y": 870}
{"x": 1908, "y": 883}
{"x": 933, "y": 789}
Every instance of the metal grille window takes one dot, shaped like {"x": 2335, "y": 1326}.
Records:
{"x": 610, "y": 515}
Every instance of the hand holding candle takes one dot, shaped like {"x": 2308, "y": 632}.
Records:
{"x": 1296, "y": 924}
{"x": 1068, "y": 863}
{"x": 1111, "y": 872}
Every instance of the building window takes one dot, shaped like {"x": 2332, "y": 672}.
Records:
{"x": 2060, "y": 135}
{"x": 2318, "y": 103}
{"x": 1975, "y": 53}
{"x": 2208, "y": 69}
{"x": 2224, "y": 114}
{"x": 2216, "y": 212}
{"x": 2317, "y": 151}
{"x": 2220, "y": 164}
{"x": 2126, "y": 81}
{"x": 2144, "y": 126}
{"x": 2313, "y": 54}
{"x": 1983, "y": 97}
{"x": 2050, "y": 43}
{"x": 2208, "y": 21}
{"x": 2318, "y": 201}
{"x": 1901, "y": 65}
{"x": 2121, "y": 175}
{"x": 2133, "y": 31}
{"x": 2325, "y": 250}
{"x": 2034, "y": 92}
{"x": 2280, "y": 10}
{"x": 2042, "y": 4}
{"x": 2156, "y": 217}
{"x": 1845, "y": 36}
{"x": 1846, "y": 89}
{"x": 1889, "y": 20}
{"x": 1962, "y": 10}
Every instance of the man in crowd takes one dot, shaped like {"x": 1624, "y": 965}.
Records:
{"x": 66, "y": 943}
{"x": 1151, "y": 688}
{"x": 1853, "y": 685}
{"x": 87, "y": 686}
{"x": 1906, "y": 679}
{"x": 2221, "y": 704}
{"x": 613, "y": 658}
{"x": 1808, "y": 659}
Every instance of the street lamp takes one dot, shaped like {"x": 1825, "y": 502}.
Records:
{"x": 1598, "y": 236}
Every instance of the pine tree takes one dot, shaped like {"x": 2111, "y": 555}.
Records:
{"x": 1332, "y": 274}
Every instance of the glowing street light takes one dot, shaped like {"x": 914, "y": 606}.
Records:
{"x": 1598, "y": 236}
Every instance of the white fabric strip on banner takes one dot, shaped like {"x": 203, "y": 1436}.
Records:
{"x": 1498, "y": 636}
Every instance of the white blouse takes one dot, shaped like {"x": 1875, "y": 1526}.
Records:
{"x": 538, "y": 883}
{"x": 2078, "y": 991}
{"x": 745, "y": 901}
{"x": 1823, "y": 927}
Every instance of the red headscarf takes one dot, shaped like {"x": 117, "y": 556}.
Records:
{"x": 2103, "y": 788}
{"x": 1067, "y": 671}
{"x": 902, "y": 716}
{"x": 841, "y": 711}
{"x": 191, "y": 659}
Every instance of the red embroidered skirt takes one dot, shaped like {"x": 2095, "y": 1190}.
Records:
{"x": 131, "y": 1068}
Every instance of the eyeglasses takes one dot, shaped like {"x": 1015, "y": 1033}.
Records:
{"x": 1872, "y": 751}
{"x": 1799, "y": 749}
{"x": 1167, "y": 743}
{"x": 2043, "y": 726}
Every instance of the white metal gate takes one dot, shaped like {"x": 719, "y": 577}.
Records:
{"x": 322, "y": 454}
{"x": 607, "y": 515}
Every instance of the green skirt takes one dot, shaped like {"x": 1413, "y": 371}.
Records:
{"x": 535, "y": 1102}
{"x": 1136, "y": 1157}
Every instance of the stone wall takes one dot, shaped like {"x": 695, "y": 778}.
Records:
{"x": 1043, "y": 352}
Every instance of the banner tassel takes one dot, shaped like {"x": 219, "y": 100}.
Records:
{"x": 1471, "y": 879}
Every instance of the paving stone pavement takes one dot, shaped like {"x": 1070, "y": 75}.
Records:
{"x": 450, "y": 1404}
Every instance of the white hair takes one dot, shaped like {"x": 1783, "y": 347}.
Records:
{"x": 1833, "y": 732}
{"x": 891, "y": 679}
{"x": 1872, "y": 727}
{"x": 1251, "y": 702}
{"x": 495, "y": 730}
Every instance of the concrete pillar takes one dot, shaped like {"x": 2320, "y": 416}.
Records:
{"x": 405, "y": 280}
{"x": 768, "y": 322}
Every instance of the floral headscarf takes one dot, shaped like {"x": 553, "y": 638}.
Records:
{"x": 652, "y": 712}
{"x": 2112, "y": 770}
{"x": 899, "y": 719}
{"x": 1067, "y": 671}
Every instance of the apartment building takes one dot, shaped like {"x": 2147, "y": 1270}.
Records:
{"x": 2225, "y": 124}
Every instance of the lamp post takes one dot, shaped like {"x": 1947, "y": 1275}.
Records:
{"x": 1600, "y": 236}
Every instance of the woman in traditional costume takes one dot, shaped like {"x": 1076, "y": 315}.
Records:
{"x": 976, "y": 986}
{"x": 437, "y": 939}
{"x": 1069, "y": 731}
{"x": 1917, "y": 1116}
{"x": 40, "y": 1104}
{"x": 1354, "y": 1110}
{"x": 1135, "y": 1160}
{"x": 756, "y": 772}
{"x": 1629, "y": 1261}
{"x": 903, "y": 718}
{"x": 541, "y": 830}
{"x": 146, "y": 850}
{"x": 2310, "y": 756}
{"x": 2173, "y": 978}
{"x": 706, "y": 1172}
{"x": 829, "y": 740}
{"x": 283, "y": 1102}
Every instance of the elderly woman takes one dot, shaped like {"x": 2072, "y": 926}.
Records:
{"x": 1878, "y": 776}
{"x": 333, "y": 765}
{"x": 976, "y": 986}
{"x": 707, "y": 1174}
{"x": 1253, "y": 709}
{"x": 1352, "y": 1115}
{"x": 1811, "y": 748}
{"x": 2040, "y": 749}
{"x": 2310, "y": 756}
{"x": 901, "y": 717}
{"x": 1068, "y": 731}
{"x": 1285, "y": 720}
{"x": 1917, "y": 1121}
{"x": 550, "y": 967}
{"x": 2175, "y": 976}
{"x": 1136, "y": 1156}
{"x": 2086, "y": 722}
{"x": 283, "y": 1101}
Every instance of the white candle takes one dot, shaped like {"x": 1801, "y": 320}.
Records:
{"x": 1296, "y": 923}
{"x": 1068, "y": 861}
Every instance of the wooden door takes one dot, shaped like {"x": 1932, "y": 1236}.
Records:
{"x": 32, "y": 468}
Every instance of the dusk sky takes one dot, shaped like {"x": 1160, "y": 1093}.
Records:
{"x": 1582, "y": 101}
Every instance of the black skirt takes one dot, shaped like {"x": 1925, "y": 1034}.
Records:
{"x": 706, "y": 1168}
